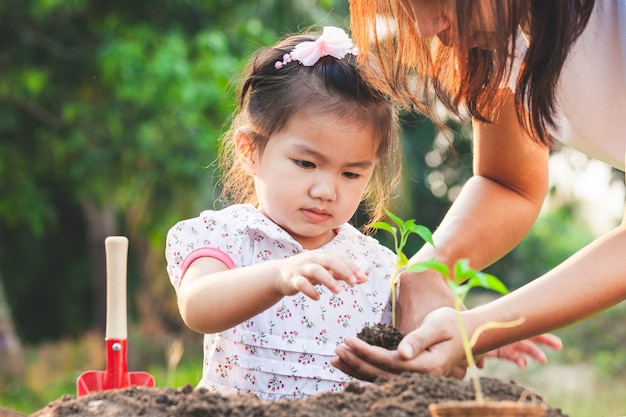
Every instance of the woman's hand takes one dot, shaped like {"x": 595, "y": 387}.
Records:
{"x": 519, "y": 352}
{"x": 420, "y": 294}
{"x": 429, "y": 349}
{"x": 434, "y": 348}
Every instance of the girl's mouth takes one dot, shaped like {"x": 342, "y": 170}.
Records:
{"x": 316, "y": 216}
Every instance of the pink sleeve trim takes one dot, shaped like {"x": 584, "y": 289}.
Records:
{"x": 205, "y": 253}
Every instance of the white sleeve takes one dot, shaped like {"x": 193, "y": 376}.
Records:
{"x": 520, "y": 49}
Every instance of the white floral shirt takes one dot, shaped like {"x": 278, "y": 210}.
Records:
{"x": 285, "y": 351}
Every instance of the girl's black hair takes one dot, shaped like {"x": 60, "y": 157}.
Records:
{"x": 269, "y": 96}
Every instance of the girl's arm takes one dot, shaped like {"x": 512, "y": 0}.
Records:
{"x": 212, "y": 298}
{"x": 494, "y": 211}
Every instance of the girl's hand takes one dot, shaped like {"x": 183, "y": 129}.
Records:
{"x": 300, "y": 273}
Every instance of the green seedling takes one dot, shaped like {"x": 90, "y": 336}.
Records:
{"x": 461, "y": 281}
{"x": 400, "y": 235}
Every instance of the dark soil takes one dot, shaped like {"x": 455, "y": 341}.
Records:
{"x": 383, "y": 335}
{"x": 404, "y": 395}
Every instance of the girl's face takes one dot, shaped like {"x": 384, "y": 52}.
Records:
{"x": 439, "y": 17}
{"x": 312, "y": 175}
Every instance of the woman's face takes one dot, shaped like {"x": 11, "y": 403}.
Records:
{"x": 439, "y": 18}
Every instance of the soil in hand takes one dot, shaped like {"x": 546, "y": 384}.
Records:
{"x": 383, "y": 335}
{"x": 401, "y": 396}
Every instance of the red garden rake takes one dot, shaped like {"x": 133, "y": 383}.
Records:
{"x": 116, "y": 374}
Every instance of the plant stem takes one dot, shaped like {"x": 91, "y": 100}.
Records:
{"x": 469, "y": 356}
{"x": 394, "y": 280}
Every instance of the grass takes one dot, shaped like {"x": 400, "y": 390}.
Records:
{"x": 53, "y": 368}
{"x": 26, "y": 400}
{"x": 577, "y": 389}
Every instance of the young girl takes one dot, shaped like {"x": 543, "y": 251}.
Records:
{"x": 278, "y": 280}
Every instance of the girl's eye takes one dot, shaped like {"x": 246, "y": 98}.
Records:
{"x": 304, "y": 164}
{"x": 351, "y": 175}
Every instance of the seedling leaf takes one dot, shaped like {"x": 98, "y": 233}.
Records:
{"x": 423, "y": 232}
{"x": 397, "y": 220}
{"x": 490, "y": 282}
{"x": 402, "y": 259}
{"x": 460, "y": 290}
{"x": 430, "y": 264}
{"x": 384, "y": 226}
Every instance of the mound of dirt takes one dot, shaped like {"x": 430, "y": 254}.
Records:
{"x": 401, "y": 396}
{"x": 383, "y": 335}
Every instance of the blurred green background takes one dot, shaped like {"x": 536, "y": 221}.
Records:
{"x": 110, "y": 113}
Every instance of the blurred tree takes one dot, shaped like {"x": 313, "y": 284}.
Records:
{"x": 435, "y": 166}
{"x": 109, "y": 114}
{"x": 12, "y": 357}
{"x": 109, "y": 117}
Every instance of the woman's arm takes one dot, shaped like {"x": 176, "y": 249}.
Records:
{"x": 494, "y": 211}
{"x": 590, "y": 281}
{"x": 213, "y": 298}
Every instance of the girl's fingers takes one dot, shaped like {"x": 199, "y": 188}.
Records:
{"x": 305, "y": 287}
{"x": 366, "y": 362}
{"x": 319, "y": 267}
{"x": 518, "y": 352}
{"x": 344, "y": 269}
{"x": 313, "y": 274}
{"x": 318, "y": 274}
{"x": 335, "y": 267}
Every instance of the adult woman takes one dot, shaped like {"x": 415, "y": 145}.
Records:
{"x": 525, "y": 71}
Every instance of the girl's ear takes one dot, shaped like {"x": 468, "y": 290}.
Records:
{"x": 245, "y": 150}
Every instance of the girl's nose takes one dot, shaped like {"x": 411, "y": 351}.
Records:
{"x": 324, "y": 188}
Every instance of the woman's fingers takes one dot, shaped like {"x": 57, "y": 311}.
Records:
{"x": 364, "y": 361}
{"x": 519, "y": 352}
{"x": 434, "y": 348}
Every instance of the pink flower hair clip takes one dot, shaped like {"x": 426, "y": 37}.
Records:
{"x": 333, "y": 41}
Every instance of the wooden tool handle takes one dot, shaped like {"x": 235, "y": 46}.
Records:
{"x": 116, "y": 248}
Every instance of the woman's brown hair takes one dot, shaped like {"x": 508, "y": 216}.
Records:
{"x": 416, "y": 70}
